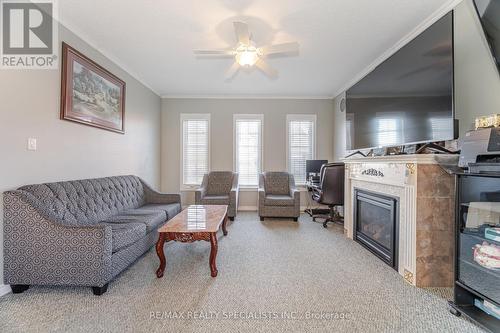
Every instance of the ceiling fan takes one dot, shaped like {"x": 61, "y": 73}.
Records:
{"x": 247, "y": 54}
{"x": 444, "y": 52}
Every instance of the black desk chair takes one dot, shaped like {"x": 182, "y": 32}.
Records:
{"x": 330, "y": 191}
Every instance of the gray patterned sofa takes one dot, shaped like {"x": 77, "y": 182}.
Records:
{"x": 219, "y": 188}
{"x": 278, "y": 196}
{"x": 82, "y": 232}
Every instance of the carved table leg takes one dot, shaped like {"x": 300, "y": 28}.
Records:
{"x": 224, "y": 223}
{"x": 161, "y": 255}
{"x": 213, "y": 253}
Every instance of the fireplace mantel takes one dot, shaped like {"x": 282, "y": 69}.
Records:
{"x": 426, "y": 210}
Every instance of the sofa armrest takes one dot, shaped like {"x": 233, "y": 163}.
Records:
{"x": 41, "y": 249}
{"x": 155, "y": 197}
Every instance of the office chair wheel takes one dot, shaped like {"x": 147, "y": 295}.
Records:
{"x": 453, "y": 310}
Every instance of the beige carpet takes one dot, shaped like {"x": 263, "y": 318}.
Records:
{"x": 273, "y": 276}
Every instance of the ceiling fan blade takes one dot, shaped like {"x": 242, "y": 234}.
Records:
{"x": 232, "y": 71}
{"x": 242, "y": 33}
{"x": 292, "y": 47}
{"x": 264, "y": 67}
{"x": 227, "y": 52}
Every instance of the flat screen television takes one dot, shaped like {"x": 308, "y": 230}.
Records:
{"x": 489, "y": 14}
{"x": 407, "y": 99}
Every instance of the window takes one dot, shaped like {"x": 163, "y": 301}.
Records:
{"x": 301, "y": 144}
{"x": 195, "y": 142}
{"x": 387, "y": 132}
{"x": 248, "y": 148}
{"x": 442, "y": 128}
{"x": 389, "y": 129}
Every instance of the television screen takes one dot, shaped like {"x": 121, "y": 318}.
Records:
{"x": 489, "y": 13}
{"x": 409, "y": 97}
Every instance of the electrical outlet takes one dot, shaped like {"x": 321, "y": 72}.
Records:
{"x": 31, "y": 144}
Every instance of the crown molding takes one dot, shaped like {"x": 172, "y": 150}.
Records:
{"x": 85, "y": 37}
{"x": 448, "y": 6}
{"x": 245, "y": 97}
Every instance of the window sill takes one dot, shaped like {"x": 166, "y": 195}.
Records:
{"x": 248, "y": 189}
{"x": 189, "y": 188}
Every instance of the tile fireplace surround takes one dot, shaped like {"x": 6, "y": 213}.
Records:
{"x": 426, "y": 196}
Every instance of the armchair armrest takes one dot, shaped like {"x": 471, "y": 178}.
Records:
{"x": 235, "y": 186}
{"x": 200, "y": 192}
{"x": 261, "y": 192}
{"x": 233, "y": 196}
{"x": 295, "y": 194}
{"x": 155, "y": 197}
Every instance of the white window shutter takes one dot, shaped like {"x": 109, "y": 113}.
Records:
{"x": 248, "y": 148}
{"x": 387, "y": 131}
{"x": 195, "y": 149}
{"x": 301, "y": 144}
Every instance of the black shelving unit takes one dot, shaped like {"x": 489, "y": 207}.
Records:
{"x": 475, "y": 282}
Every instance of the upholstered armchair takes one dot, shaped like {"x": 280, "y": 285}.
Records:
{"x": 278, "y": 196}
{"x": 219, "y": 188}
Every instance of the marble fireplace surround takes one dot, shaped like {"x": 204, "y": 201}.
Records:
{"x": 426, "y": 196}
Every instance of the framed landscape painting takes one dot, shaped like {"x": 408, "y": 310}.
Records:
{"x": 90, "y": 94}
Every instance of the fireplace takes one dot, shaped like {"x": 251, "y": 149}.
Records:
{"x": 376, "y": 224}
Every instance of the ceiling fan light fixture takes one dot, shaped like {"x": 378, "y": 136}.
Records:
{"x": 247, "y": 56}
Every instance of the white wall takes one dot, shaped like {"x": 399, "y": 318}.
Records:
{"x": 29, "y": 107}
{"x": 222, "y": 110}
{"x": 339, "y": 140}
{"x": 477, "y": 81}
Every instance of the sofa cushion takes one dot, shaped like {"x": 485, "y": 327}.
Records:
{"x": 215, "y": 200}
{"x": 125, "y": 234}
{"x": 278, "y": 200}
{"x": 170, "y": 209}
{"x": 151, "y": 218}
{"x": 277, "y": 183}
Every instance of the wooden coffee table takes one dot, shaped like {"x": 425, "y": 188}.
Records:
{"x": 195, "y": 223}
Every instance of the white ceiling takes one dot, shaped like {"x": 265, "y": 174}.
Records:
{"x": 153, "y": 40}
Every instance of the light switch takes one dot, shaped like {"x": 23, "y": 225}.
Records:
{"x": 31, "y": 144}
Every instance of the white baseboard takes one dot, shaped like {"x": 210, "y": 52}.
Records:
{"x": 247, "y": 208}
{"x": 4, "y": 289}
